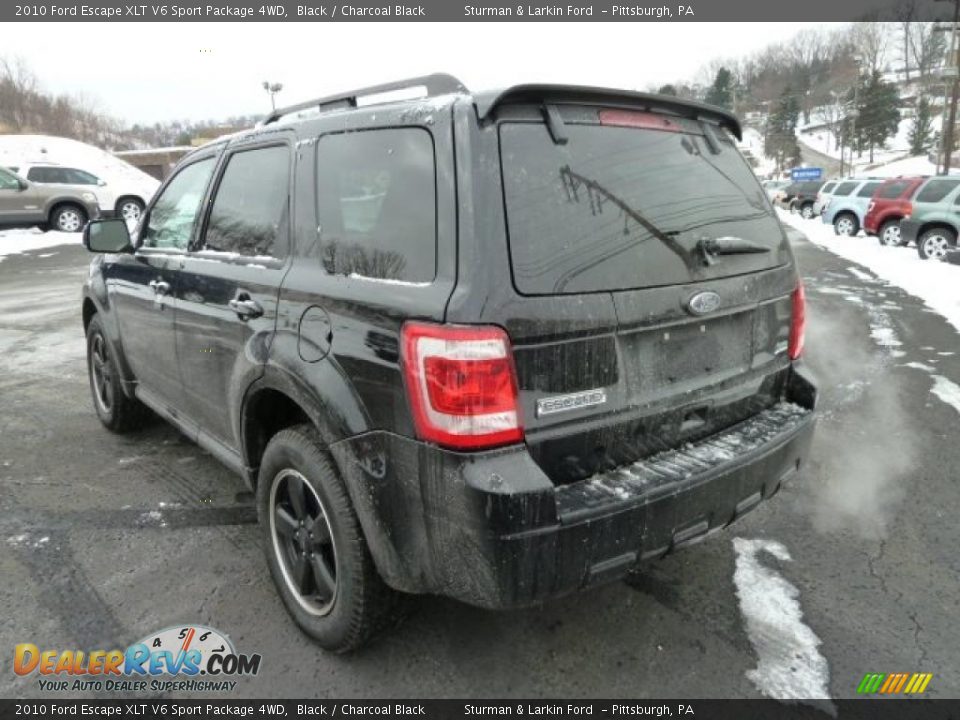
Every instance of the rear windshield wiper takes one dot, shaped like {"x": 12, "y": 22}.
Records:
{"x": 711, "y": 247}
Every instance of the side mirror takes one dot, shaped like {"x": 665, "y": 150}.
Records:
{"x": 107, "y": 236}
{"x": 22, "y": 184}
{"x": 101, "y": 183}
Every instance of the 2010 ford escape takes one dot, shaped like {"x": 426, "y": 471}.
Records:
{"x": 497, "y": 346}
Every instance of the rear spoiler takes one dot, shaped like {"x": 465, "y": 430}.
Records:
{"x": 487, "y": 103}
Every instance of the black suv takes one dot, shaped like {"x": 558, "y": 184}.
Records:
{"x": 800, "y": 197}
{"x": 497, "y": 346}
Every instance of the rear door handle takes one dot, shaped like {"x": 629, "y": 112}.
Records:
{"x": 246, "y": 308}
{"x": 160, "y": 287}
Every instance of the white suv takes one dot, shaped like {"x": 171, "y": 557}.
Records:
{"x": 126, "y": 201}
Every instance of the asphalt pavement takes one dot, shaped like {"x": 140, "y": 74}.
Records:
{"x": 105, "y": 538}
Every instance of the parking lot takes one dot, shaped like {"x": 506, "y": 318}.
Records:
{"x": 108, "y": 538}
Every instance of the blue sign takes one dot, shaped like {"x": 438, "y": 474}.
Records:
{"x": 806, "y": 173}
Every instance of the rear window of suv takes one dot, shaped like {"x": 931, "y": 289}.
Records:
{"x": 845, "y": 189}
{"x": 619, "y": 208}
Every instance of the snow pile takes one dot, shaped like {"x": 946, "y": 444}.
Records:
{"x": 933, "y": 282}
{"x": 17, "y": 149}
{"x": 14, "y": 242}
{"x": 790, "y": 665}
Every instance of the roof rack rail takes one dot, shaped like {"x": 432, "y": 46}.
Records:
{"x": 436, "y": 84}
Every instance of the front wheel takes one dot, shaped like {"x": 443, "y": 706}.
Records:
{"x": 315, "y": 547}
{"x": 935, "y": 243}
{"x": 68, "y": 218}
{"x": 806, "y": 211}
{"x": 889, "y": 234}
{"x": 846, "y": 225}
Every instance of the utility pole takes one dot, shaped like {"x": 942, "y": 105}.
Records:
{"x": 947, "y": 132}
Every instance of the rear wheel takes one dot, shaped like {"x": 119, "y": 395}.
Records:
{"x": 846, "y": 225}
{"x": 935, "y": 243}
{"x": 889, "y": 234}
{"x": 116, "y": 411}
{"x": 68, "y": 218}
{"x": 315, "y": 548}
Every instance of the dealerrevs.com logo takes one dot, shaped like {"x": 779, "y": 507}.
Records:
{"x": 181, "y": 658}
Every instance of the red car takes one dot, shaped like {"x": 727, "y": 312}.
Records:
{"x": 889, "y": 205}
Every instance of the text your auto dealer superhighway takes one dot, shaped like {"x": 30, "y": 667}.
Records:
{"x": 386, "y": 11}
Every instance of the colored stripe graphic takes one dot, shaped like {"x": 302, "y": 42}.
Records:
{"x": 894, "y": 683}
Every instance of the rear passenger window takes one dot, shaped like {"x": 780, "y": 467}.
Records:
{"x": 377, "y": 204}
{"x": 868, "y": 189}
{"x": 844, "y": 189}
{"x": 251, "y": 212}
{"x": 936, "y": 190}
{"x": 894, "y": 189}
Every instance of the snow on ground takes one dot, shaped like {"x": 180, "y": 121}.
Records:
{"x": 13, "y": 242}
{"x": 789, "y": 663}
{"x": 933, "y": 282}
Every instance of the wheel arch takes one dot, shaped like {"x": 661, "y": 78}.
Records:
{"x": 934, "y": 224}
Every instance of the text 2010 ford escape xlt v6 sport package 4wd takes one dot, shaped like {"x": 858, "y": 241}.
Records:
{"x": 496, "y": 346}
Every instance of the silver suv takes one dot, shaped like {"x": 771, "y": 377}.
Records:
{"x": 23, "y": 203}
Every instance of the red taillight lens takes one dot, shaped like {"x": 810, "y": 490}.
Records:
{"x": 635, "y": 119}
{"x": 462, "y": 385}
{"x": 798, "y": 323}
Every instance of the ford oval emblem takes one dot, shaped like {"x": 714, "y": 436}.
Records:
{"x": 703, "y": 302}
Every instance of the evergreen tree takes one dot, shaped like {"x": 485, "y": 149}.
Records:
{"x": 878, "y": 116}
{"x": 780, "y": 142}
{"x": 921, "y": 131}
{"x": 721, "y": 92}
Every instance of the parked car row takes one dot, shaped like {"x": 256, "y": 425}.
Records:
{"x": 64, "y": 198}
{"x": 897, "y": 211}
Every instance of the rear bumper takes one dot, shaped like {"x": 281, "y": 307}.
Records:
{"x": 490, "y": 529}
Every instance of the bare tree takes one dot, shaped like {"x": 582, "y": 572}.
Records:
{"x": 872, "y": 42}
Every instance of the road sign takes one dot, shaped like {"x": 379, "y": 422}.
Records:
{"x": 806, "y": 173}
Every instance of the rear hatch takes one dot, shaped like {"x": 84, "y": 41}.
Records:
{"x": 652, "y": 284}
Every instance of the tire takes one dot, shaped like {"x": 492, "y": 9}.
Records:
{"x": 935, "y": 243}
{"x": 889, "y": 234}
{"x": 806, "y": 211}
{"x": 68, "y": 218}
{"x": 846, "y": 225}
{"x": 117, "y": 412}
{"x": 341, "y": 601}
{"x": 793, "y": 208}
{"x": 129, "y": 209}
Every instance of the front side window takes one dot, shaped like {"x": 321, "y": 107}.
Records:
{"x": 251, "y": 211}
{"x": 173, "y": 217}
{"x": 377, "y": 203}
{"x": 75, "y": 176}
{"x": 8, "y": 181}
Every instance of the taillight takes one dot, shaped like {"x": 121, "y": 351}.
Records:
{"x": 462, "y": 385}
{"x": 907, "y": 210}
{"x": 871, "y": 206}
{"x": 798, "y": 323}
